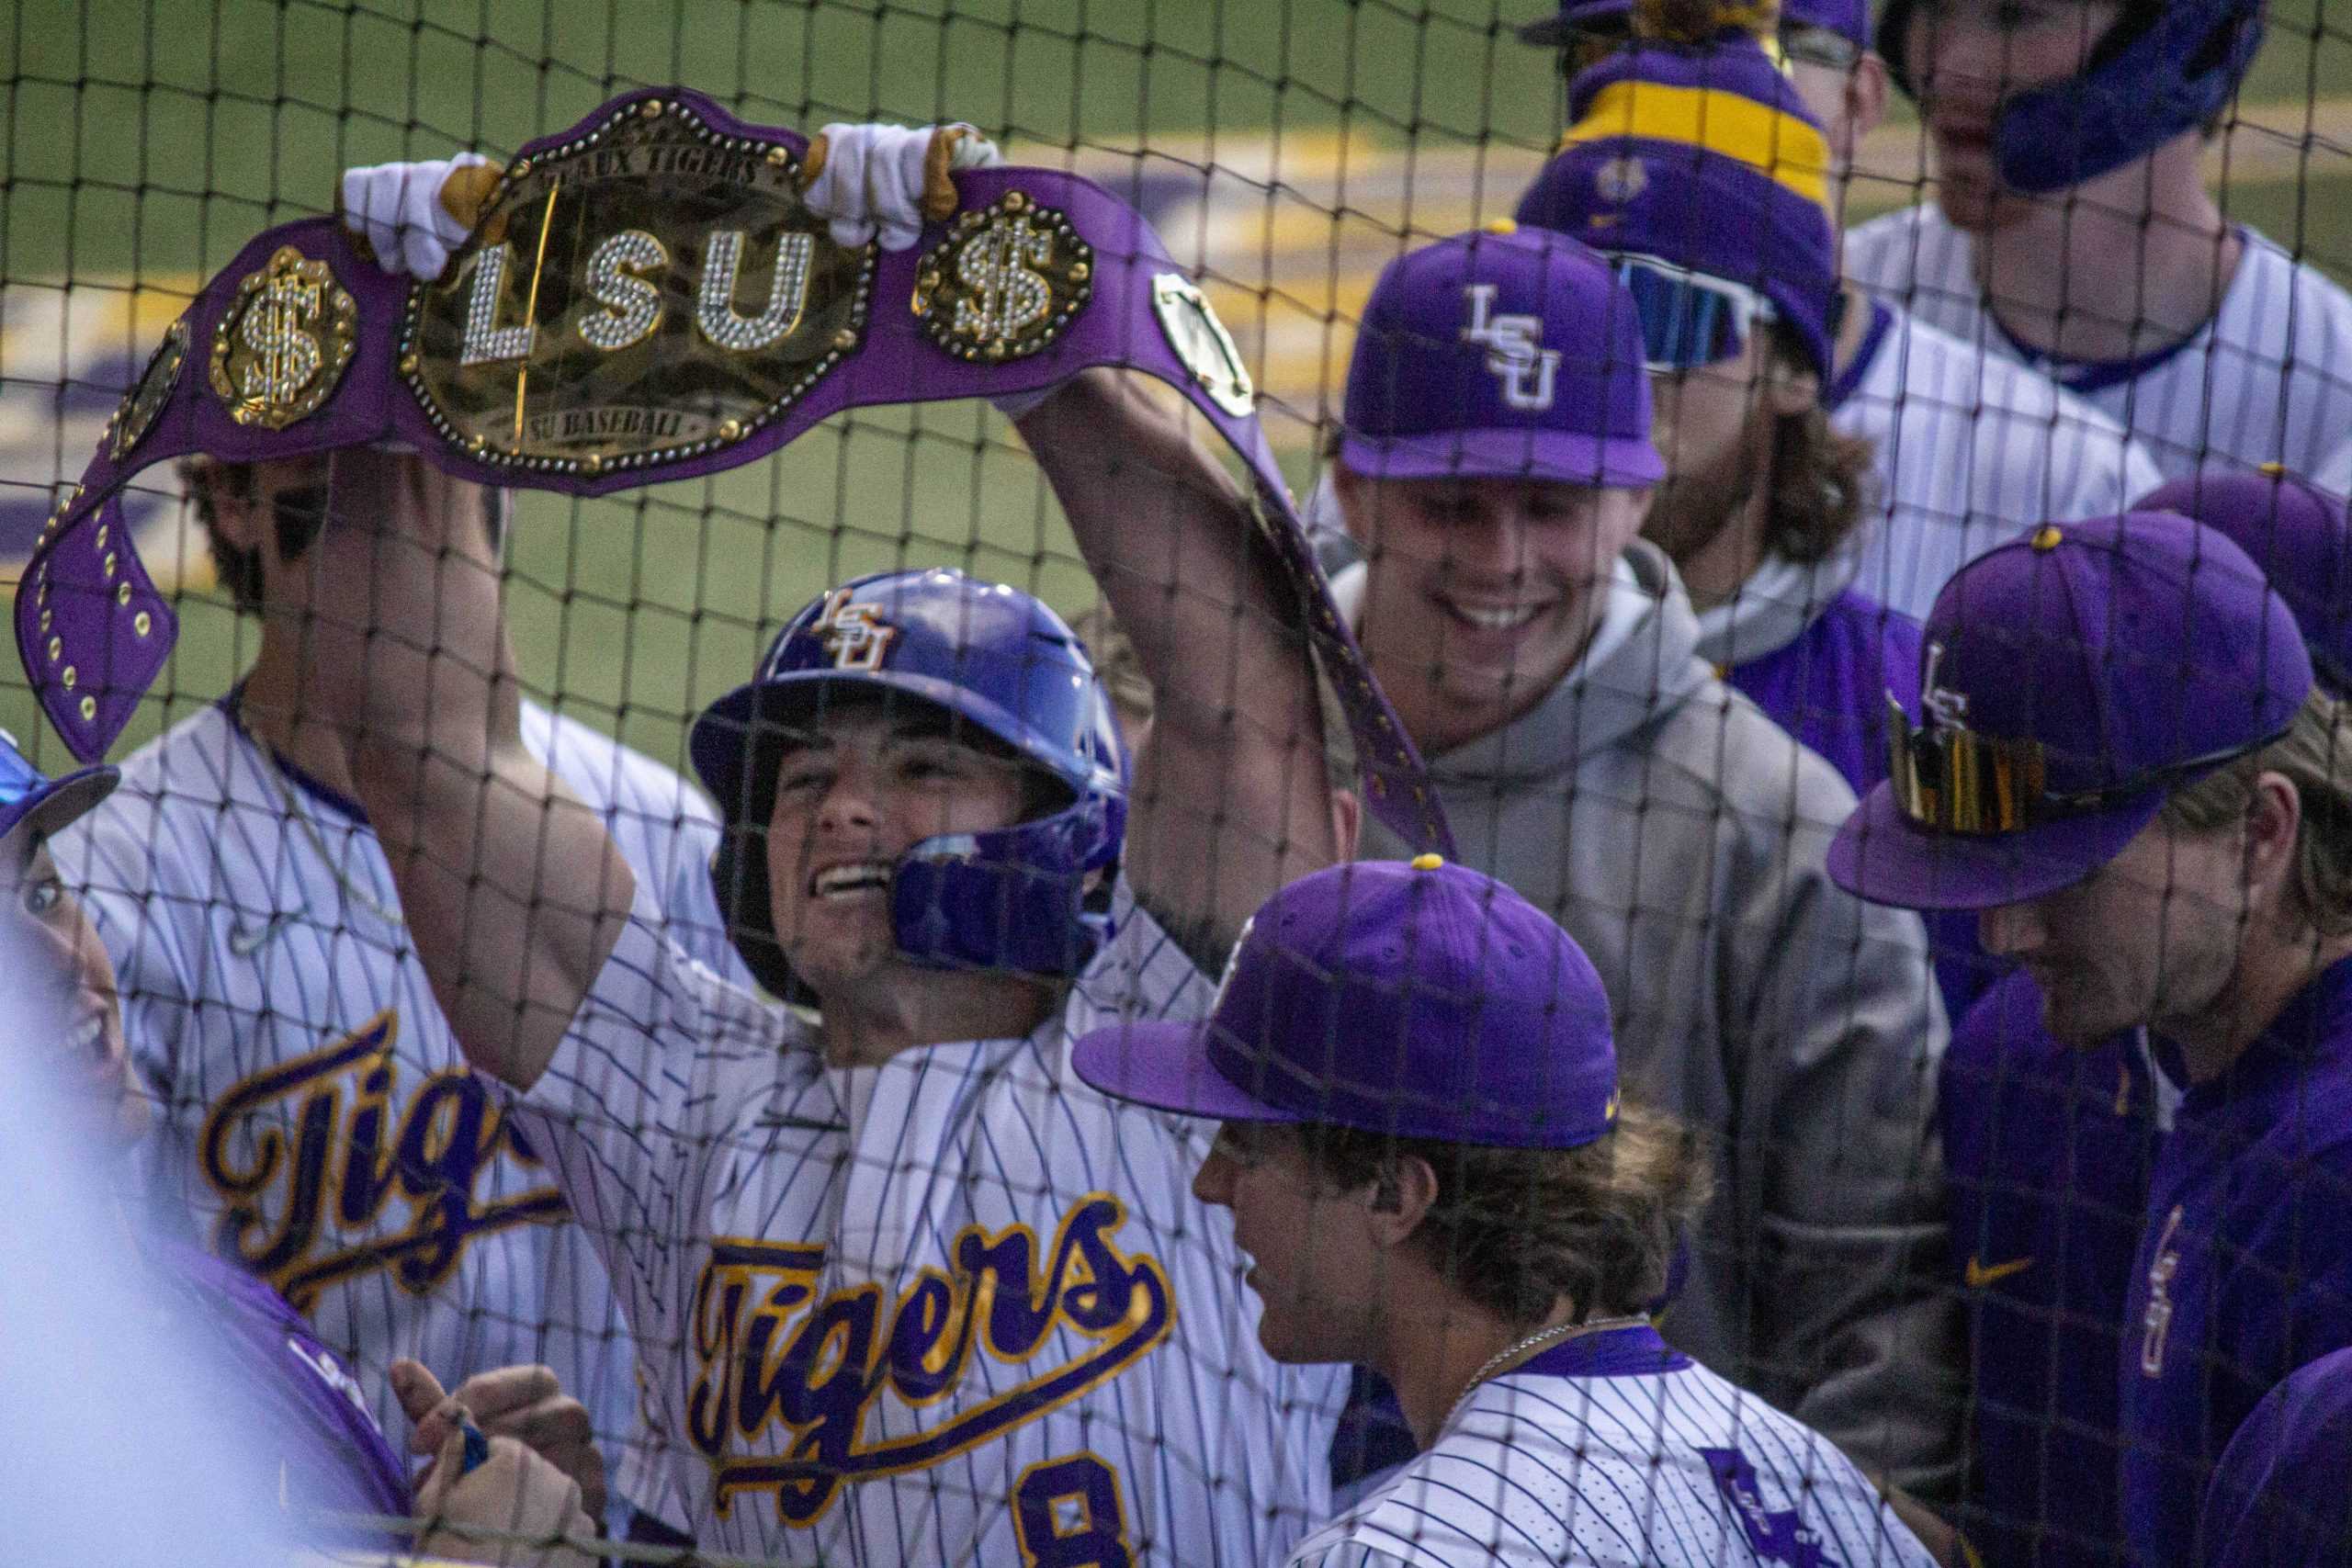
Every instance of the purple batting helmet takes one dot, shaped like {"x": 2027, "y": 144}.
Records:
{"x": 2071, "y": 679}
{"x": 2299, "y": 535}
{"x": 1422, "y": 1000}
{"x": 1013, "y": 899}
{"x": 2164, "y": 68}
{"x": 29, "y": 795}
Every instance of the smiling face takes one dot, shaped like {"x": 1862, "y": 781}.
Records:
{"x": 2151, "y": 935}
{"x": 74, "y": 1012}
{"x": 1965, "y": 56}
{"x": 855, "y": 790}
{"x": 1481, "y": 593}
{"x": 1315, "y": 1268}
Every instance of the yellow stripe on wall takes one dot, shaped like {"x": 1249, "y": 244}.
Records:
{"x": 1775, "y": 145}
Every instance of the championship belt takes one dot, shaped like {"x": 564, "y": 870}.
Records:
{"x": 645, "y": 297}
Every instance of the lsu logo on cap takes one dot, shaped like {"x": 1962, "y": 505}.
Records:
{"x": 1620, "y": 180}
{"x": 1515, "y": 350}
{"x": 854, "y": 634}
{"x": 1948, "y": 708}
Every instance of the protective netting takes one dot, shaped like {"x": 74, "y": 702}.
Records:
{"x": 2017, "y": 1221}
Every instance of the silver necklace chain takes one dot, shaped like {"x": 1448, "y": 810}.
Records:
{"x": 1558, "y": 1333}
{"x": 352, "y": 892}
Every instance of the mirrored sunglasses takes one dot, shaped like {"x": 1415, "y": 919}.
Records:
{"x": 1689, "y": 320}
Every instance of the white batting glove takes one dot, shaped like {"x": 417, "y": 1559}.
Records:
{"x": 397, "y": 209}
{"x": 875, "y": 179}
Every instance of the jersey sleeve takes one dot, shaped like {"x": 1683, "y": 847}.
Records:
{"x": 661, "y": 1063}
{"x": 1838, "y": 1160}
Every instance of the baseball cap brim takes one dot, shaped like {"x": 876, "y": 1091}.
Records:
{"x": 1881, "y": 856}
{"x": 50, "y": 808}
{"x": 1167, "y": 1067}
{"x": 1615, "y": 462}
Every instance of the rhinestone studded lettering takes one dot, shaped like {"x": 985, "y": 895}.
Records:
{"x": 486, "y": 342}
{"x": 714, "y": 308}
{"x": 632, "y": 306}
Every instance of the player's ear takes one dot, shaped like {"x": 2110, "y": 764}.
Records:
{"x": 1406, "y": 1190}
{"x": 1355, "y": 493}
{"x": 1347, "y": 821}
{"x": 1865, "y": 100}
{"x": 1791, "y": 385}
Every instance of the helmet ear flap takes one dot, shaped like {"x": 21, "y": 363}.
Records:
{"x": 739, "y": 868}
{"x": 739, "y": 880}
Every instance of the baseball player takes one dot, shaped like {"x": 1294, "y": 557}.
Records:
{"x": 1762, "y": 500}
{"x": 2049, "y": 1145}
{"x": 272, "y": 1376}
{"x": 905, "y": 1291}
{"x": 1496, "y": 467}
{"x": 1966, "y": 449}
{"x": 317, "y": 1124}
{"x": 1429, "y": 1167}
{"x": 2072, "y": 230}
{"x": 2124, "y": 766}
{"x": 2278, "y": 1498}
{"x": 1764, "y": 508}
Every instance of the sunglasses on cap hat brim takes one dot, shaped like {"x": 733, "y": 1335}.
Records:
{"x": 1689, "y": 320}
{"x": 1949, "y": 779}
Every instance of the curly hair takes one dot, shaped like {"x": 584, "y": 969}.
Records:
{"x": 1823, "y": 481}
{"x": 1514, "y": 1230}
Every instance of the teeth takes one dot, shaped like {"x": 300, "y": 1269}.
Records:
{"x": 85, "y": 1035}
{"x": 851, "y": 879}
{"x": 1496, "y": 620}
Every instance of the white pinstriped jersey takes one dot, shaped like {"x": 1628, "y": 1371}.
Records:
{"x": 2269, "y": 379}
{"x": 318, "y": 1122}
{"x": 1970, "y": 449}
{"x": 1613, "y": 1451}
{"x": 2335, "y": 473}
{"x": 957, "y": 1308}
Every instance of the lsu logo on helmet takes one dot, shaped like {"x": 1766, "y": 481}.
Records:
{"x": 852, "y": 633}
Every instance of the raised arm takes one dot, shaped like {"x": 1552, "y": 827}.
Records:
{"x": 513, "y": 891}
{"x": 1233, "y": 797}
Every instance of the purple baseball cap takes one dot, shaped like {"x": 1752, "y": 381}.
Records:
{"x": 1500, "y": 354}
{"x": 2070, "y": 679}
{"x": 1420, "y": 999}
{"x": 2299, "y": 535}
{"x": 1850, "y": 19}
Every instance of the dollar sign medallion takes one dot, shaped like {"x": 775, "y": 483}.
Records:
{"x": 1006, "y": 282}
{"x": 283, "y": 344}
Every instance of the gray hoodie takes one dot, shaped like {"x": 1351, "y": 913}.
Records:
{"x": 1678, "y": 835}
